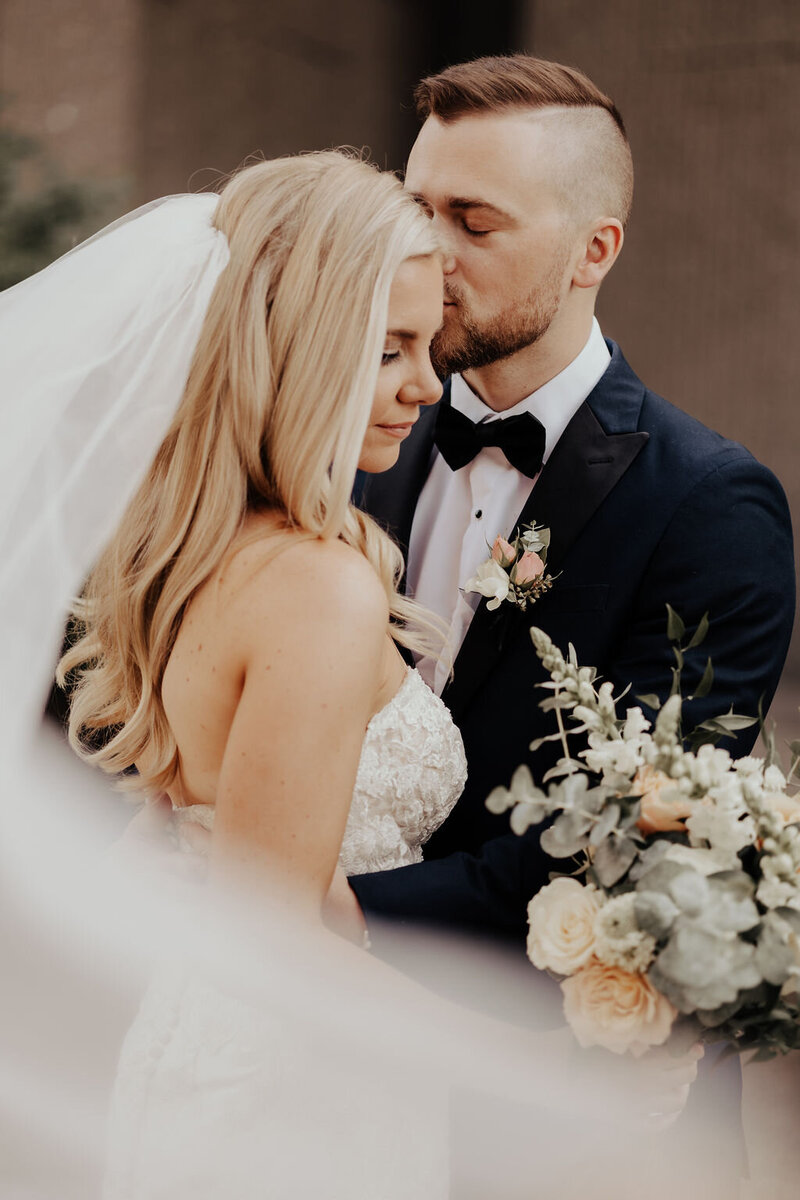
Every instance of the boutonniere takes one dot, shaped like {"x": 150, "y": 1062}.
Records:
{"x": 514, "y": 571}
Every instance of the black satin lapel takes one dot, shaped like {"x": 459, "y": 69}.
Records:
{"x": 582, "y": 470}
{"x": 584, "y": 467}
{"x": 391, "y": 497}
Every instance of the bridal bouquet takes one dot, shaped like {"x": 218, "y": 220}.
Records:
{"x": 684, "y": 915}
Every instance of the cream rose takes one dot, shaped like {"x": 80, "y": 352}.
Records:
{"x": 606, "y": 1006}
{"x": 658, "y": 814}
{"x": 490, "y": 580}
{"x": 561, "y": 926}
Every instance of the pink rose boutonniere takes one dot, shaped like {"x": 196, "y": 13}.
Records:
{"x": 514, "y": 571}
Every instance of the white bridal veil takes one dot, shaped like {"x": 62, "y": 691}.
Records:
{"x": 94, "y": 356}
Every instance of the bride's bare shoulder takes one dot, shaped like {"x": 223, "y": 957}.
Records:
{"x": 299, "y": 579}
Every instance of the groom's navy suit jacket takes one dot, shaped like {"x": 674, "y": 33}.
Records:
{"x": 646, "y": 507}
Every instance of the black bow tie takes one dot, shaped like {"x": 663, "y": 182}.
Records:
{"x": 521, "y": 438}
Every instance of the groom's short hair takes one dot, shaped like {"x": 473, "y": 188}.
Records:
{"x": 502, "y": 83}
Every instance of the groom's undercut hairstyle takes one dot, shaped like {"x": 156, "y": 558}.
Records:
{"x": 590, "y": 146}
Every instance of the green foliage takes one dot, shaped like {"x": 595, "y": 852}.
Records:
{"x": 42, "y": 214}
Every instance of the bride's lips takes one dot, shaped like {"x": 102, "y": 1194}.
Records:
{"x": 398, "y": 431}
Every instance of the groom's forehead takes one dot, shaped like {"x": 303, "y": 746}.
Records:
{"x": 476, "y": 154}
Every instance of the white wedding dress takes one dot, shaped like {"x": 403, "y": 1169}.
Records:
{"x": 218, "y": 1097}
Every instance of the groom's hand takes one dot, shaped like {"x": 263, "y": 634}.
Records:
{"x": 668, "y": 1079}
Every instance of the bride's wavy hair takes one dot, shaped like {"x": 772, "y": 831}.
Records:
{"x": 273, "y": 415}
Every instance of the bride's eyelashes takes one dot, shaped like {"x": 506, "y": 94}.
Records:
{"x": 389, "y": 356}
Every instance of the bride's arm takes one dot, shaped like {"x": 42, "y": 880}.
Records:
{"x": 311, "y": 634}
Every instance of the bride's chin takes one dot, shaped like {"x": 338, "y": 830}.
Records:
{"x": 374, "y": 461}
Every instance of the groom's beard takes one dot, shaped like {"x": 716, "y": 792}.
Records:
{"x": 463, "y": 343}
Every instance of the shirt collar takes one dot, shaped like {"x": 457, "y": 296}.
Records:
{"x": 555, "y": 402}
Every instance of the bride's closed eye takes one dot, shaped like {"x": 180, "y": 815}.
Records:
{"x": 389, "y": 356}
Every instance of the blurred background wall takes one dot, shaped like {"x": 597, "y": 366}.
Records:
{"x": 136, "y": 98}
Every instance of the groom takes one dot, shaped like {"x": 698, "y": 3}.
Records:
{"x": 525, "y": 170}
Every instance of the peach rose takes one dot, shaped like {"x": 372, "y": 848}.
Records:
{"x": 503, "y": 552}
{"x": 529, "y": 567}
{"x": 606, "y": 1006}
{"x": 561, "y": 926}
{"x": 659, "y": 814}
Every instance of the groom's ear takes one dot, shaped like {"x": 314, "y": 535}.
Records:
{"x": 603, "y": 244}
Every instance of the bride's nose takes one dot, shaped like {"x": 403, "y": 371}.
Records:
{"x": 424, "y": 388}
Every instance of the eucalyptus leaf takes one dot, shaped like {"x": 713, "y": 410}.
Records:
{"x": 651, "y": 700}
{"x": 564, "y": 766}
{"x": 551, "y": 737}
{"x": 655, "y": 913}
{"x": 719, "y": 1015}
{"x": 699, "y": 635}
{"x": 523, "y": 787}
{"x": 553, "y": 702}
{"x": 732, "y": 721}
{"x": 499, "y": 800}
{"x": 612, "y": 859}
{"x": 568, "y": 834}
{"x": 608, "y": 821}
{"x": 675, "y": 626}
{"x": 773, "y": 758}
{"x": 763, "y": 1054}
{"x": 525, "y": 815}
{"x": 727, "y": 724}
{"x": 705, "y": 684}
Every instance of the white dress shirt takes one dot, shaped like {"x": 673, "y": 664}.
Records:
{"x": 460, "y": 513}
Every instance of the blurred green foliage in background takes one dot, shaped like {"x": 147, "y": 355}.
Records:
{"x": 42, "y": 214}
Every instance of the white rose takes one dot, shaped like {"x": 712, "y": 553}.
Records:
{"x": 561, "y": 918}
{"x": 490, "y": 580}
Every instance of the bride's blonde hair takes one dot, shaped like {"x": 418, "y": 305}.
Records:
{"x": 274, "y": 414}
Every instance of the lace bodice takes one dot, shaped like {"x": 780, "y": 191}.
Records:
{"x": 411, "y": 772}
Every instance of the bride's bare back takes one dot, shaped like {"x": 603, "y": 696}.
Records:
{"x": 281, "y": 659}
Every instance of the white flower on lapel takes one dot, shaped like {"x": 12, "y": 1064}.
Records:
{"x": 490, "y": 580}
{"x": 514, "y": 571}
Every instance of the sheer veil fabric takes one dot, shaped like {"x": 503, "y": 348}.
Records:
{"x": 94, "y": 355}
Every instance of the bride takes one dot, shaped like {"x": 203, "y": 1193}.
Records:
{"x": 237, "y": 637}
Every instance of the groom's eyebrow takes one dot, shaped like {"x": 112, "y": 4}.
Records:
{"x": 465, "y": 203}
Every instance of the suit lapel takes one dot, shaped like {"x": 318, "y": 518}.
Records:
{"x": 586, "y": 464}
